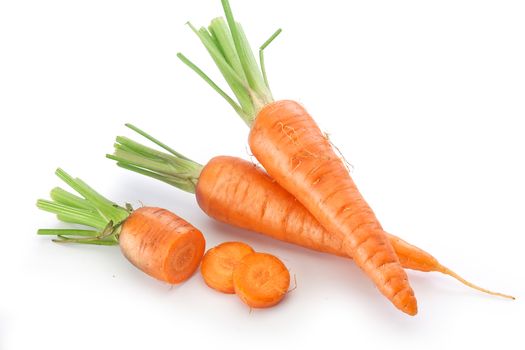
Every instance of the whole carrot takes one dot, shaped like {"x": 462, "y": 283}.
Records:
{"x": 290, "y": 146}
{"x": 237, "y": 192}
{"x": 155, "y": 240}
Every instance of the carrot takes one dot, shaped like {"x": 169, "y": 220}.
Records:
{"x": 261, "y": 280}
{"x": 218, "y": 264}
{"x": 236, "y": 192}
{"x": 290, "y": 146}
{"x": 155, "y": 240}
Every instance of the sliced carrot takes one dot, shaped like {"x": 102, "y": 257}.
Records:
{"x": 261, "y": 280}
{"x": 218, "y": 264}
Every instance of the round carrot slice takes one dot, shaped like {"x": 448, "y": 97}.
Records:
{"x": 218, "y": 264}
{"x": 261, "y": 280}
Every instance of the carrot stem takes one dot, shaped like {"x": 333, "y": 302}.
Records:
{"x": 95, "y": 241}
{"x": 92, "y": 209}
{"x": 261, "y": 55}
{"x": 229, "y": 48}
{"x": 214, "y": 86}
{"x": 157, "y": 142}
{"x": 73, "y": 215}
{"x": 68, "y": 232}
{"x": 242, "y": 46}
{"x": 219, "y": 43}
{"x": 61, "y": 196}
{"x": 174, "y": 169}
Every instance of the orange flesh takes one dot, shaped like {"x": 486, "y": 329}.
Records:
{"x": 161, "y": 244}
{"x": 261, "y": 280}
{"x": 218, "y": 264}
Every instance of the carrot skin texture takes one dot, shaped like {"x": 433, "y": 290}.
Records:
{"x": 161, "y": 244}
{"x": 236, "y": 192}
{"x": 294, "y": 152}
{"x": 218, "y": 264}
{"x": 274, "y": 212}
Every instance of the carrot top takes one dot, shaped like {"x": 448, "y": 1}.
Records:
{"x": 172, "y": 167}
{"x": 227, "y": 44}
{"x": 92, "y": 209}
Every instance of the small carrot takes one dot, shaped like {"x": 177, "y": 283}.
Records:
{"x": 218, "y": 264}
{"x": 237, "y": 192}
{"x": 155, "y": 240}
{"x": 261, "y": 280}
{"x": 288, "y": 143}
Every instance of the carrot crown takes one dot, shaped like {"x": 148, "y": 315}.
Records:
{"x": 225, "y": 41}
{"x": 172, "y": 168}
{"x": 92, "y": 209}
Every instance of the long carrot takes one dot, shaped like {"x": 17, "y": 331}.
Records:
{"x": 237, "y": 192}
{"x": 288, "y": 143}
{"x": 155, "y": 240}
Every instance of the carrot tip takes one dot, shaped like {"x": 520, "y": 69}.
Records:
{"x": 451, "y": 273}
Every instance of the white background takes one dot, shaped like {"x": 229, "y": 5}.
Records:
{"x": 424, "y": 98}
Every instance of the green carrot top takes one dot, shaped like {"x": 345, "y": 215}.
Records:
{"x": 170, "y": 167}
{"x": 228, "y": 46}
{"x": 92, "y": 209}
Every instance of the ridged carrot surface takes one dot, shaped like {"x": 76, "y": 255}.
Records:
{"x": 289, "y": 145}
{"x": 294, "y": 151}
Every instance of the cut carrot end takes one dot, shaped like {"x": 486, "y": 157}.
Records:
{"x": 184, "y": 257}
{"x": 451, "y": 273}
{"x": 261, "y": 280}
{"x": 218, "y": 264}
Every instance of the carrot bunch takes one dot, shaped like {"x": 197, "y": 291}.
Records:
{"x": 288, "y": 143}
{"x": 241, "y": 194}
{"x": 304, "y": 196}
{"x": 296, "y": 154}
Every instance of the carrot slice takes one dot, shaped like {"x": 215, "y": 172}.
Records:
{"x": 218, "y": 264}
{"x": 261, "y": 280}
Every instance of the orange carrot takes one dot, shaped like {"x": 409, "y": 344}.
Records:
{"x": 261, "y": 280}
{"x": 155, "y": 240}
{"x": 237, "y": 192}
{"x": 294, "y": 151}
{"x": 296, "y": 154}
{"x": 218, "y": 264}
{"x": 161, "y": 244}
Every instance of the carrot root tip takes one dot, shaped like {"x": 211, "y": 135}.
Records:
{"x": 451, "y": 273}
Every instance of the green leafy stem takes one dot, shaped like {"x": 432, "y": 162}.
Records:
{"x": 171, "y": 167}
{"x": 226, "y": 42}
{"x": 89, "y": 209}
